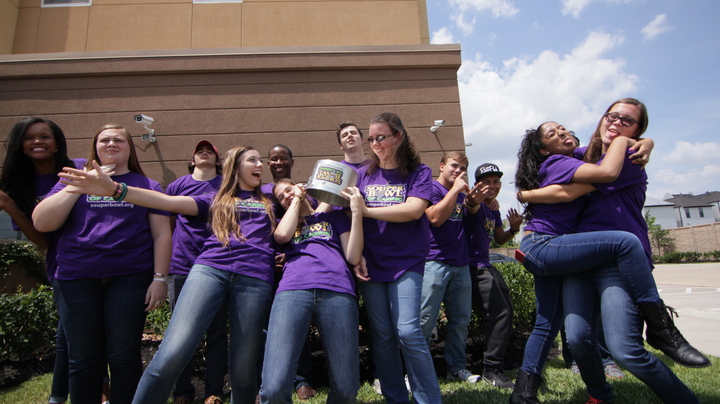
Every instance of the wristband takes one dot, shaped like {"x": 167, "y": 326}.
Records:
{"x": 123, "y": 192}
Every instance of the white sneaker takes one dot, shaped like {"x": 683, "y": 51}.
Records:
{"x": 463, "y": 374}
{"x": 376, "y": 386}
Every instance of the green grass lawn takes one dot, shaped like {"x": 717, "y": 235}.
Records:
{"x": 563, "y": 386}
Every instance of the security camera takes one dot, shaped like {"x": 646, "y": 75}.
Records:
{"x": 144, "y": 119}
{"x": 434, "y": 129}
{"x": 440, "y": 122}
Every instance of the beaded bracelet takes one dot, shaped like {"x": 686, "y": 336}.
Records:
{"x": 123, "y": 192}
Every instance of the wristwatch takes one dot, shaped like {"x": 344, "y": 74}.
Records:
{"x": 514, "y": 232}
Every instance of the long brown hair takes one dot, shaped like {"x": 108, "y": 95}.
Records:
{"x": 133, "y": 162}
{"x": 594, "y": 150}
{"x": 404, "y": 154}
{"x": 223, "y": 212}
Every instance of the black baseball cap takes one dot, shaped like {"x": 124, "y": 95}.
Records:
{"x": 487, "y": 169}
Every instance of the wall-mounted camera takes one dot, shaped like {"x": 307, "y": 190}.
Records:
{"x": 440, "y": 122}
{"x": 146, "y": 121}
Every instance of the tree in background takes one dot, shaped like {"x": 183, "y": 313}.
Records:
{"x": 660, "y": 238}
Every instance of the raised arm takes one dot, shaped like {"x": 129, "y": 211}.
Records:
{"x": 609, "y": 169}
{"x": 352, "y": 241}
{"x": 642, "y": 150}
{"x": 285, "y": 230}
{"x": 438, "y": 213}
{"x": 412, "y": 209}
{"x": 98, "y": 183}
{"x": 53, "y": 211}
{"x": 555, "y": 193}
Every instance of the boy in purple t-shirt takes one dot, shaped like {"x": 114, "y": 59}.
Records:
{"x": 188, "y": 239}
{"x": 490, "y": 294}
{"x": 446, "y": 278}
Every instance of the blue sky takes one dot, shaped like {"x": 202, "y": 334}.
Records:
{"x": 527, "y": 61}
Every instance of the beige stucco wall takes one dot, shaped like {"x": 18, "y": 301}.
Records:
{"x": 110, "y": 25}
{"x": 8, "y": 20}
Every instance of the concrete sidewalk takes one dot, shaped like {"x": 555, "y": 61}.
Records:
{"x": 694, "y": 291}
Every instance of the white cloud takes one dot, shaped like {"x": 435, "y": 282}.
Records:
{"x": 666, "y": 180}
{"x": 574, "y": 7}
{"x": 467, "y": 27}
{"x": 500, "y": 102}
{"x": 656, "y": 27}
{"x": 697, "y": 153}
{"x": 442, "y": 36}
{"x": 491, "y": 39}
{"x": 498, "y": 8}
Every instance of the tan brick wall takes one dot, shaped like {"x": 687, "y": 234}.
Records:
{"x": 260, "y": 97}
{"x": 702, "y": 238}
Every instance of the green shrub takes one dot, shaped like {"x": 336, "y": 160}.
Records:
{"x": 673, "y": 257}
{"x": 692, "y": 256}
{"x": 27, "y": 323}
{"x": 658, "y": 259}
{"x": 25, "y": 255}
{"x": 158, "y": 319}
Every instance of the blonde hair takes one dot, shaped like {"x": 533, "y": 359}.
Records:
{"x": 223, "y": 212}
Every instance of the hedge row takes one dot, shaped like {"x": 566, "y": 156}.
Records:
{"x": 28, "y": 320}
{"x": 689, "y": 256}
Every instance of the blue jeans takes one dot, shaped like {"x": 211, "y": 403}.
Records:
{"x": 336, "y": 315}
{"x": 451, "y": 285}
{"x": 549, "y": 257}
{"x": 59, "y": 389}
{"x": 103, "y": 320}
{"x": 216, "y": 350}
{"x": 393, "y": 309}
{"x": 206, "y": 289}
{"x": 623, "y": 327}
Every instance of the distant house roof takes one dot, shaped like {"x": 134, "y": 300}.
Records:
{"x": 706, "y": 199}
{"x": 649, "y": 201}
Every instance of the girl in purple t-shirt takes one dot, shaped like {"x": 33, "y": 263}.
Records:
{"x": 552, "y": 250}
{"x": 396, "y": 189}
{"x": 316, "y": 283}
{"x": 618, "y": 206}
{"x": 236, "y": 265}
{"x": 36, "y": 153}
{"x": 107, "y": 254}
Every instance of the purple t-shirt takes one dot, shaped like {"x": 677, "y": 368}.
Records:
{"x": 189, "y": 235}
{"x": 43, "y": 184}
{"x": 393, "y": 248}
{"x": 557, "y": 218}
{"x": 447, "y": 241}
{"x": 314, "y": 257}
{"x": 356, "y": 166}
{"x": 255, "y": 256}
{"x": 480, "y": 229}
{"x": 618, "y": 205}
{"x": 102, "y": 237}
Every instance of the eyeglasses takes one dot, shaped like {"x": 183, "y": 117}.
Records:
{"x": 379, "y": 139}
{"x": 612, "y": 117}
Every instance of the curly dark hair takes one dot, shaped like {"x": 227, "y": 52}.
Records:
{"x": 530, "y": 159}
{"x": 18, "y": 171}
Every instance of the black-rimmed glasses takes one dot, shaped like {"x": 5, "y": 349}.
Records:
{"x": 625, "y": 121}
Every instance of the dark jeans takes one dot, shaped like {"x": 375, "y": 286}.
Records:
{"x": 216, "y": 352}
{"x": 103, "y": 320}
{"x": 60, "y": 390}
{"x": 491, "y": 301}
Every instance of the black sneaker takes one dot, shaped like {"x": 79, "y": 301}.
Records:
{"x": 497, "y": 378}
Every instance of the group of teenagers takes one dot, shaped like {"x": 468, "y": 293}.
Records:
{"x": 406, "y": 243}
